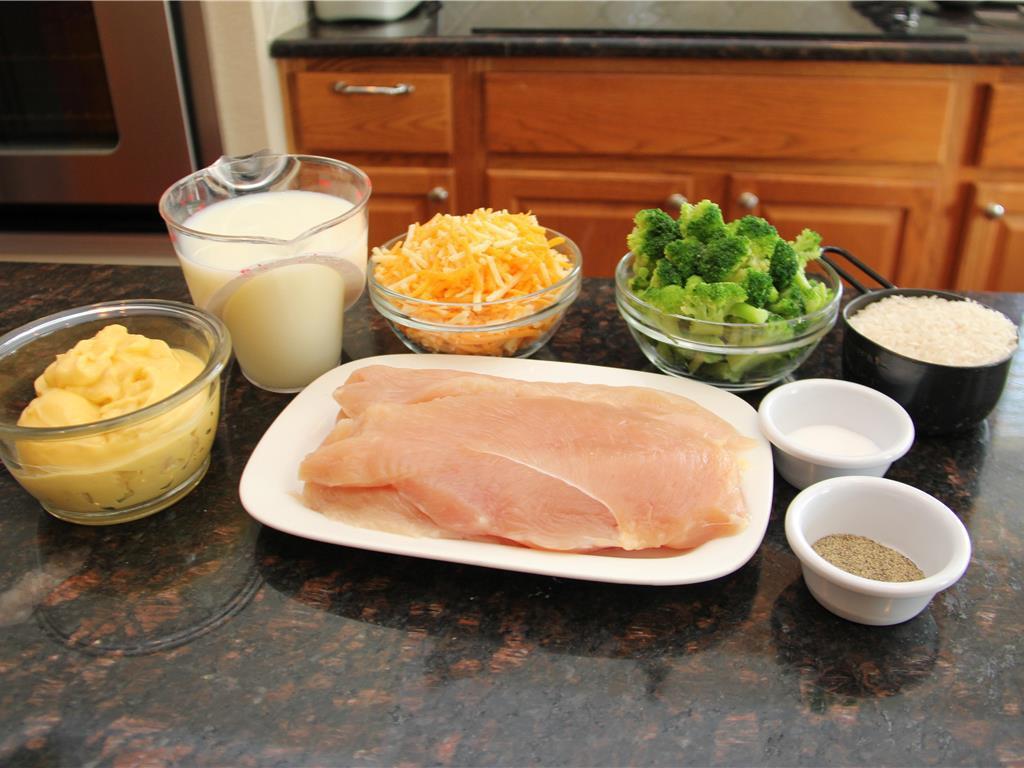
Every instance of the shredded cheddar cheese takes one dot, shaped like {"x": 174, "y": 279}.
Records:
{"x": 484, "y": 268}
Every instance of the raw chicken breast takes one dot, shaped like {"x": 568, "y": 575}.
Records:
{"x": 383, "y": 384}
{"x": 554, "y": 466}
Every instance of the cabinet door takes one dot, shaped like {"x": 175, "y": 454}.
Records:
{"x": 992, "y": 258}
{"x": 404, "y": 196}
{"x": 884, "y": 222}
{"x": 595, "y": 209}
{"x": 1002, "y": 141}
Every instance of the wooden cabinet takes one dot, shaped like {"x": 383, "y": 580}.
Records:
{"x": 396, "y": 124}
{"x": 596, "y": 209}
{"x": 993, "y": 249}
{"x": 894, "y": 162}
{"x": 377, "y": 111}
{"x": 884, "y": 222}
{"x": 1002, "y": 144}
{"x": 400, "y": 196}
{"x": 992, "y": 241}
{"x": 716, "y": 116}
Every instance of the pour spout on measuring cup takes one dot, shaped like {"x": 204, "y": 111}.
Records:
{"x": 258, "y": 172}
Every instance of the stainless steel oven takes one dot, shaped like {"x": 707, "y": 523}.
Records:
{"x": 102, "y": 103}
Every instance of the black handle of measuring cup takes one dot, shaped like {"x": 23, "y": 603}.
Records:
{"x": 827, "y": 249}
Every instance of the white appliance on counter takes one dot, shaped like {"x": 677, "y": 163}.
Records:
{"x": 362, "y": 10}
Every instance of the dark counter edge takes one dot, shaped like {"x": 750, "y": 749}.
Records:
{"x": 303, "y": 42}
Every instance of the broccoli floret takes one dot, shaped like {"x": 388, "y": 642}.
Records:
{"x": 714, "y": 300}
{"x": 754, "y": 227}
{"x": 801, "y": 297}
{"x": 684, "y": 255}
{"x": 762, "y": 237}
{"x": 640, "y": 280}
{"x": 747, "y": 313}
{"x": 668, "y": 298}
{"x": 798, "y": 295}
{"x": 718, "y": 302}
{"x": 722, "y": 257}
{"x": 741, "y": 272}
{"x": 790, "y": 303}
{"x": 807, "y": 246}
{"x": 702, "y": 220}
{"x": 666, "y": 273}
{"x": 653, "y": 230}
{"x": 784, "y": 265}
{"x": 816, "y": 296}
{"x": 738, "y": 367}
{"x": 759, "y": 288}
{"x": 694, "y": 360}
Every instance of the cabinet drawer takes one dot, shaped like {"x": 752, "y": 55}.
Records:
{"x": 1002, "y": 144}
{"x": 416, "y": 121}
{"x": 808, "y": 118}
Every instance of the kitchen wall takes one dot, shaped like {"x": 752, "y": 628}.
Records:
{"x": 246, "y": 86}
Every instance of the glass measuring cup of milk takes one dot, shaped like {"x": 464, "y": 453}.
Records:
{"x": 276, "y": 246}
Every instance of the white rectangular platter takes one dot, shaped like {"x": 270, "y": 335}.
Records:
{"x": 271, "y": 492}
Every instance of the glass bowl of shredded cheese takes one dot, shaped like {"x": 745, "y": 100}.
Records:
{"x": 484, "y": 283}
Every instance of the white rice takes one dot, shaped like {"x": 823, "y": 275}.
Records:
{"x": 937, "y": 330}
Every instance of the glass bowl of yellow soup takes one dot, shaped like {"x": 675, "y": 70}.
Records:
{"x": 108, "y": 412}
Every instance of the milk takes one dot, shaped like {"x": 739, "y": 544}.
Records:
{"x": 285, "y": 319}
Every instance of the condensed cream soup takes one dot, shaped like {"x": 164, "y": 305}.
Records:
{"x": 109, "y": 375}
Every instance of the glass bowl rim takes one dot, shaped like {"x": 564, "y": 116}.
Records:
{"x": 830, "y": 309}
{"x": 217, "y": 360}
{"x": 574, "y": 275}
{"x": 355, "y": 210}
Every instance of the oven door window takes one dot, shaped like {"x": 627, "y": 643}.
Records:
{"x": 55, "y": 95}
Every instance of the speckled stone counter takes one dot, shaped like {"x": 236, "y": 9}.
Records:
{"x": 947, "y": 33}
{"x": 198, "y": 637}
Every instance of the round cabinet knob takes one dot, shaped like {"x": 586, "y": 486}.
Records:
{"x": 676, "y": 201}
{"x": 748, "y": 200}
{"x": 437, "y": 195}
{"x": 995, "y": 211}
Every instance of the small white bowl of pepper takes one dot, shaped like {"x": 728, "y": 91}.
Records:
{"x": 875, "y": 551}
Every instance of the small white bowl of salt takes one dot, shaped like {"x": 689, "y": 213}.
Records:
{"x": 873, "y": 550}
{"x": 825, "y": 428}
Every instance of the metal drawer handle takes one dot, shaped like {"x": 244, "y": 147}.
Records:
{"x": 380, "y": 90}
{"x": 675, "y": 200}
{"x": 437, "y": 195}
{"x": 995, "y": 211}
{"x": 748, "y": 200}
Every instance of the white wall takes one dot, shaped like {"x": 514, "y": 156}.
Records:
{"x": 245, "y": 82}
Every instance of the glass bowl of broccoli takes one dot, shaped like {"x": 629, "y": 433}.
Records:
{"x": 730, "y": 304}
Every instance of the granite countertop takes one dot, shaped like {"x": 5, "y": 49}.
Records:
{"x": 199, "y": 637}
{"x": 922, "y": 32}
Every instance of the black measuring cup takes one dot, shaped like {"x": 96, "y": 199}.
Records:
{"x": 941, "y": 399}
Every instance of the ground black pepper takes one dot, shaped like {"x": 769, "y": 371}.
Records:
{"x": 865, "y": 557}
